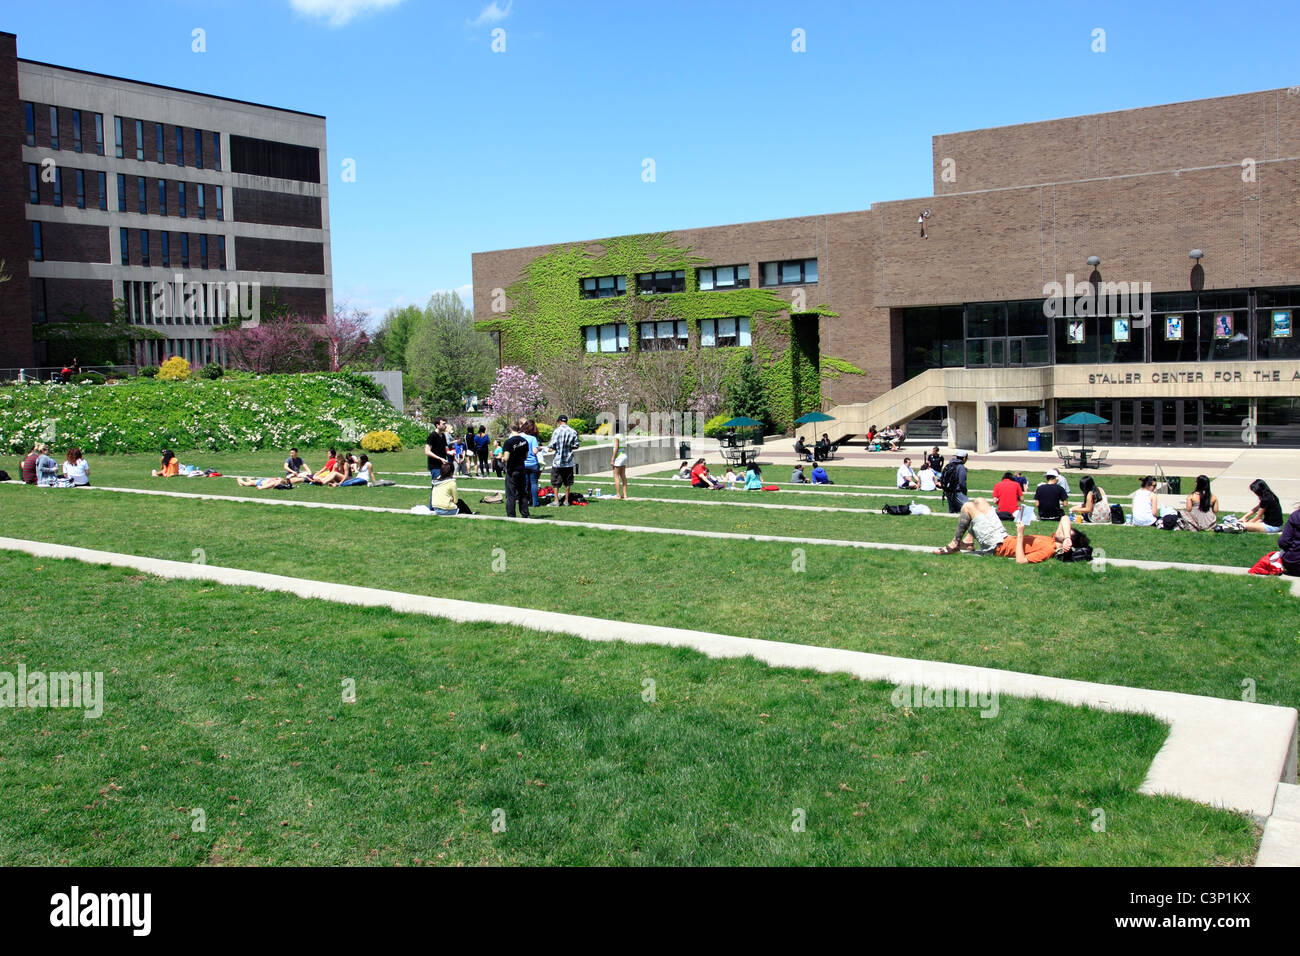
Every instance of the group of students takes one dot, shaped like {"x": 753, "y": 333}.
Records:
{"x": 40, "y": 468}
{"x": 820, "y": 451}
{"x": 521, "y": 459}
{"x": 890, "y": 438}
{"x": 340, "y": 471}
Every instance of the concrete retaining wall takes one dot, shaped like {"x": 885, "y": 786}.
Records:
{"x": 391, "y": 383}
{"x": 594, "y": 459}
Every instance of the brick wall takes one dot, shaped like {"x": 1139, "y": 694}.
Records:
{"x": 16, "y": 347}
{"x": 279, "y": 255}
{"x": 277, "y": 208}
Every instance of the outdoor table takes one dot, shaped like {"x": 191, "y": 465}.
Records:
{"x": 1083, "y": 456}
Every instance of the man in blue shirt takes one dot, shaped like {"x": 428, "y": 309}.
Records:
{"x": 819, "y": 476}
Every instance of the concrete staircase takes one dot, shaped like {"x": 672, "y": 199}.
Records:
{"x": 896, "y": 407}
{"x": 1281, "y": 843}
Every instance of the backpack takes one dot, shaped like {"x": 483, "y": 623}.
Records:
{"x": 948, "y": 477}
{"x": 1116, "y": 514}
{"x": 4, "y": 476}
{"x": 1076, "y": 554}
{"x": 898, "y": 509}
{"x": 1169, "y": 522}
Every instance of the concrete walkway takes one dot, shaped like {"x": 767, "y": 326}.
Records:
{"x": 1224, "y": 753}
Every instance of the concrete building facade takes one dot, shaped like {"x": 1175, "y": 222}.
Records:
{"x": 1142, "y": 264}
{"x": 167, "y": 200}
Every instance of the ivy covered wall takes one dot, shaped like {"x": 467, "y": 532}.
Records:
{"x": 545, "y": 314}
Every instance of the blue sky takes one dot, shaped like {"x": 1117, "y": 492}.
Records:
{"x": 461, "y": 149}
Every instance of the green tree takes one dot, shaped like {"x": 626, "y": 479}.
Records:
{"x": 747, "y": 396}
{"x": 394, "y": 334}
{"x": 447, "y": 356}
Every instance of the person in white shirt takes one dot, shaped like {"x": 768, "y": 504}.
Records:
{"x": 906, "y": 477}
{"x": 76, "y": 468}
{"x": 925, "y": 479}
{"x": 1146, "y": 505}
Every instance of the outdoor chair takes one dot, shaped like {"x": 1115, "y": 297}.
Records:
{"x": 1100, "y": 457}
{"x": 1064, "y": 455}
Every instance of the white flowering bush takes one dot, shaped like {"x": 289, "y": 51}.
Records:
{"x": 233, "y": 412}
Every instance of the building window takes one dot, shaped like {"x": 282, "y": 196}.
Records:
{"x": 38, "y": 247}
{"x": 180, "y": 146}
{"x": 144, "y": 247}
{"x": 101, "y": 182}
{"x": 203, "y": 252}
{"x": 165, "y": 239}
{"x": 603, "y": 287}
{"x": 221, "y": 253}
{"x": 158, "y": 142}
{"x": 38, "y": 300}
{"x": 606, "y": 338}
{"x": 789, "y": 272}
{"x": 659, "y": 283}
{"x": 162, "y": 197}
{"x": 220, "y": 212}
{"x": 663, "y": 336}
{"x": 33, "y": 185}
{"x": 185, "y": 250}
{"x": 724, "y": 333}
{"x": 54, "y": 127}
{"x": 216, "y": 151}
{"x": 117, "y": 136}
{"x": 76, "y": 130}
{"x": 198, "y": 148}
{"x": 180, "y": 199}
{"x": 723, "y": 277}
{"x": 125, "y": 240}
{"x": 81, "y": 189}
{"x": 203, "y": 212}
{"x": 139, "y": 140}
{"x": 121, "y": 192}
{"x": 58, "y": 186}
{"x": 99, "y": 134}
{"x": 29, "y": 119}
{"x": 142, "y": 192}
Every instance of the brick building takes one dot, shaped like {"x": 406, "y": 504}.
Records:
{"x": 165, "y": 199}
{"x": 1172, "y": 231}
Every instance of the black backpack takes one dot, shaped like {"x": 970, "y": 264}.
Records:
{"x": 1116, "y": 514}
{"x": 4, "y": 476}
{"x": 948, "y": 477}
{"x": 898, "y": 509}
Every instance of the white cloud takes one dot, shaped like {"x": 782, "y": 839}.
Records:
{"x": 492, "y": 13}
{"x": 339, "y": 12}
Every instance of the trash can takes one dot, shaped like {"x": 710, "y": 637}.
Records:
{"x": 1175, "y": 485}
{"x": 758, "y": 438}
{"x": 684, "y": 450}
{"x": 1045, "y": 441}
{"x": 1032, "y": 440}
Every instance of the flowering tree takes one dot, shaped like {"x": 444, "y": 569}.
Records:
{"x": 277, "y": 344}
{"x": 344, "y": 335}
{"x": 515, "y": 393}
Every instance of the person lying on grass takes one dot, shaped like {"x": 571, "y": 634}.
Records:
{"x": 281, "y": 482}
{"x": 978, "y": 522}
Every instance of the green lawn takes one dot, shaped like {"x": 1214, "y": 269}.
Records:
{"x": 229, "y": 701}
{"x": 1200, "y": 634}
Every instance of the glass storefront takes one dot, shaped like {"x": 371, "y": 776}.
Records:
{"x": 1177, "y": 422}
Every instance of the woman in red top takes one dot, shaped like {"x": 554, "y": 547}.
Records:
{"x": 1008, "y": 493}
{"x": 700, "y": 477}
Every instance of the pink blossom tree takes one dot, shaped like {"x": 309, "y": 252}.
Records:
{"x": 344, "y": 335}
{"x": 516, "y": 393}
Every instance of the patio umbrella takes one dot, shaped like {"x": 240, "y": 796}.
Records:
{"x": 1083, "y": 419}
{"x": 812, "y": 417}
{"x": 742, "y": 422}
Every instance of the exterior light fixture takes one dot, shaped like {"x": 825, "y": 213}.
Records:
{"x": 1094, "y": 261}
{"x": 1196, "y": 254}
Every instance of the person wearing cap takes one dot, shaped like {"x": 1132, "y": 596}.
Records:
{"x": 564, "y": 442}
{"x": 953, "y": 482}
{"x": 978, "y": 522}
{"x": 1050, "y": 499}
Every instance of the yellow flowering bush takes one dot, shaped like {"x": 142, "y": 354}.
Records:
{"x": 175, "y": 369}
{"x": 381, "y": 441}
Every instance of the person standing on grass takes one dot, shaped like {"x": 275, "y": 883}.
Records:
{"x": 482, "y": 446}
{"x": 978, "y": 522}
{"x": 1007, "y": 494}
{"x": 533, "y": 464}
{"x": 618, "y": 464}
{"x": 952, "y": 481}
{"x": 497, "y": 468}
{"x": 564, "y": 442}
{"x": 1050, "y": 499}
{"x": 514, "y": 456}
{"x": 435, "y": 448}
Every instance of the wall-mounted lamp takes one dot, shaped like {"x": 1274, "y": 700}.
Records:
{"x": 1196, "y": 254}
{"x": 1094, "y": 261}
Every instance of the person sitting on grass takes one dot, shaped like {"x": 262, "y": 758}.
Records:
{"x": 293, "y": 465}
{"x": 1202, "y": 508}
{"x": 47, "y": 469}
{"x": 730, "y": 479}
{"x": 1146, "y": 504}
{"x": 323, "y": 475}
{"x": 906, "y": 477}
{"x": 75, "y": 468}
{"x": 1266, "y": 516}
{"x": 169, "y": 467}
{"x": 819, "y": 476}
{"x": 1007, "y": 495}
{"x": 1288, "y": 544}
{"x": 797, "y": 476}
{"x": 1095, "y": 507}
{"x": 1050, "y": 499}
{"x": 700, "y": 477}
{"x": 927, "y": 479}
{"x": 977, "y": 522}
{"x": 442, "y": 494}
{"x": 754, "y": 478}
{"x": 279, "y": 482}
{"x": 27, "y": 468}
{"x": 365, "y": 474}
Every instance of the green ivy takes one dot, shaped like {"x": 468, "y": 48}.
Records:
{"x": 547, "y": 314}
{"x": 833, "y": 368}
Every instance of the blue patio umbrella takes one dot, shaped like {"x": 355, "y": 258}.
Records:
{"x": 742, "y": 422}
{"x": 1083, "y": 419}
